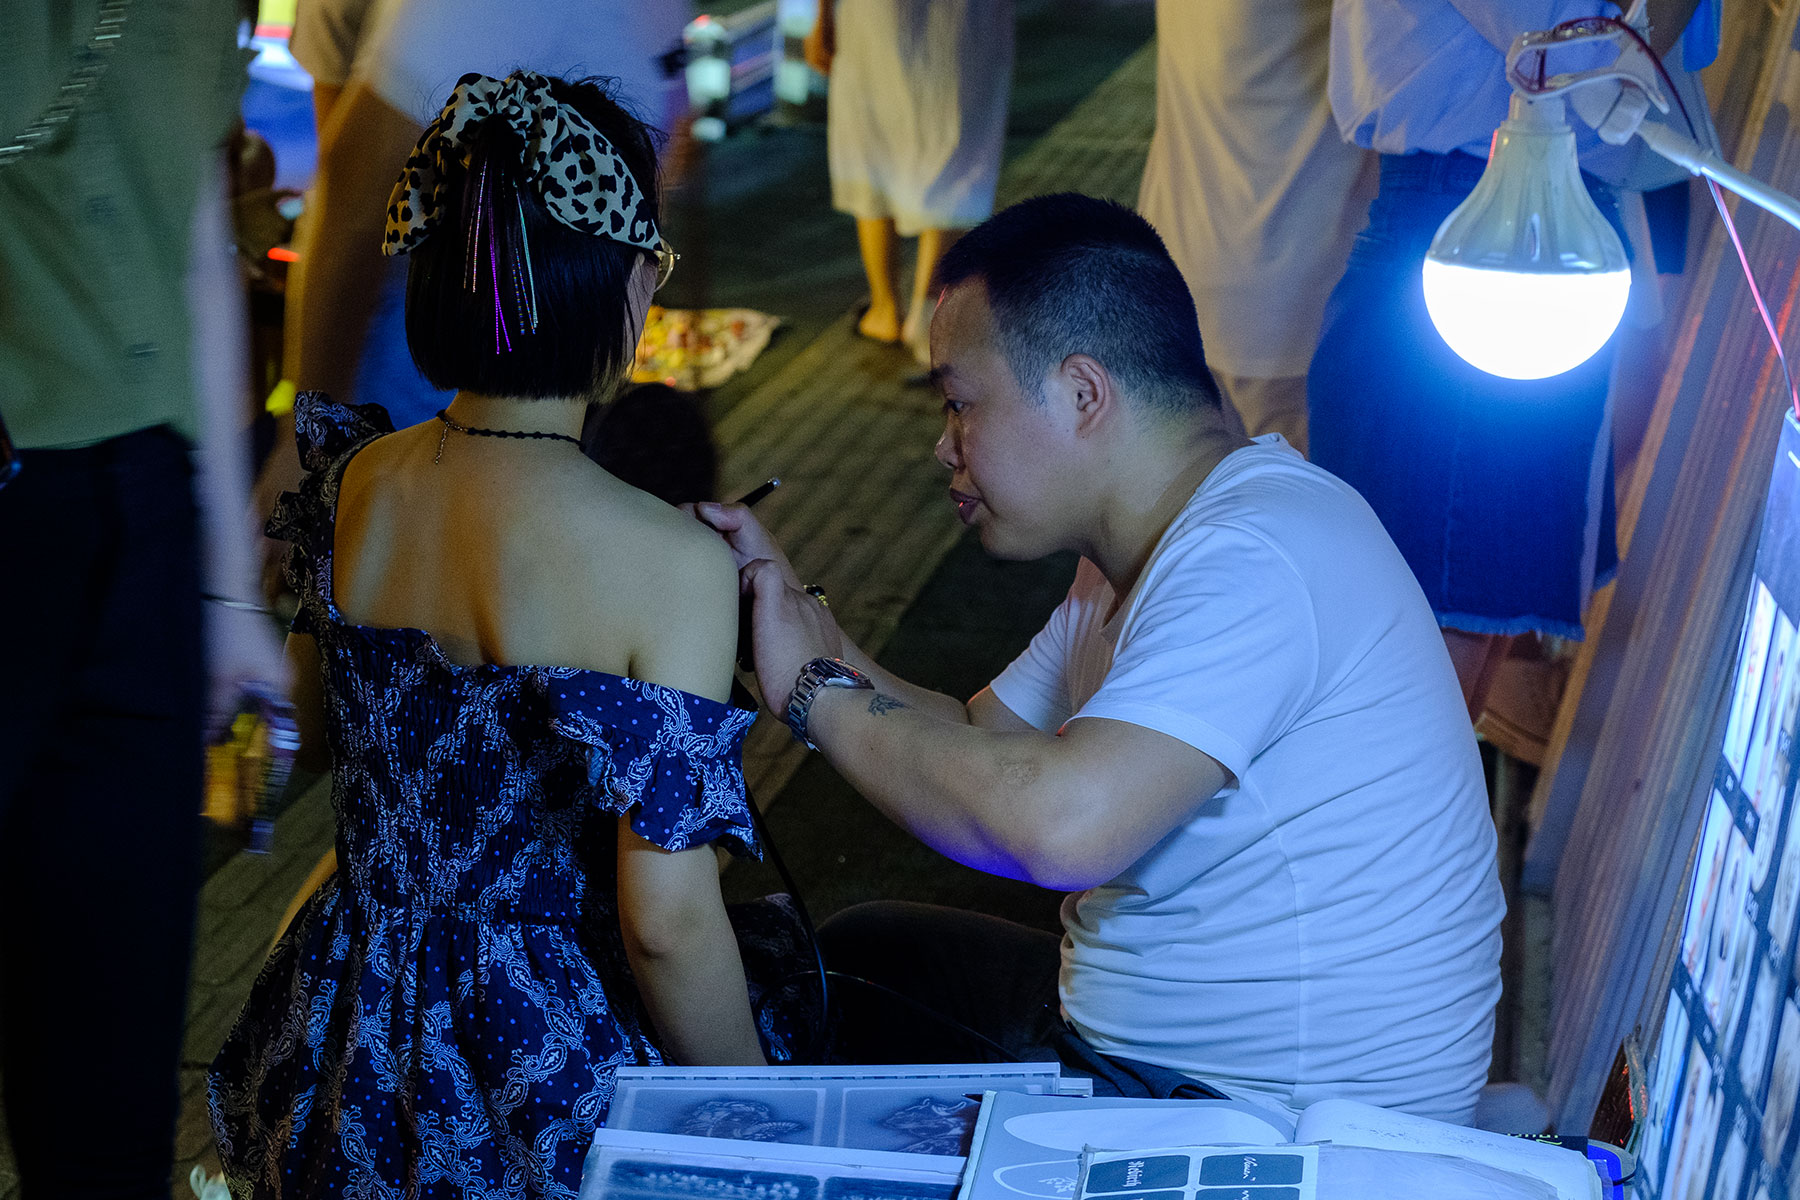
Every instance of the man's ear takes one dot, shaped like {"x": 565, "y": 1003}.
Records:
{"x": 1091, "y": 391}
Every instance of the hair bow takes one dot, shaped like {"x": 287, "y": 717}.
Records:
{"x": 569, "y": 164}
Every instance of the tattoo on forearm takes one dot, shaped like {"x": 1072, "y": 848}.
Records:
{"x": 1020, "y": 774}
{"x": 881, "y": 704}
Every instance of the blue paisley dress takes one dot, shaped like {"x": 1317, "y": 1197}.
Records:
{"x": 445, "y": 1016}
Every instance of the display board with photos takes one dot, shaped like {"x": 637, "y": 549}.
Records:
{"x": 1726, "y": 1065}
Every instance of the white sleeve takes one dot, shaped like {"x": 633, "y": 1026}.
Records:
{"x": 1220, "y": 648}
{"x": 416, "y": 50}
{"x": 1035, "y": 685}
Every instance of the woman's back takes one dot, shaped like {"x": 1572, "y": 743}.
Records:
{"x": 520, "y": 551}
{"x": 468, "y": 959}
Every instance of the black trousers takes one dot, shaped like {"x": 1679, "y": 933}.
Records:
{"x": 101, "y": 697}
{"x": 944, "y": 985}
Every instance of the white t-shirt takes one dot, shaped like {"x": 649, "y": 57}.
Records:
{"x": 418, "y": 49}
{"x": 1329, "y": 923}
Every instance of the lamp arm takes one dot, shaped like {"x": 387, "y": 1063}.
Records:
{"x": 1689, "y": 155}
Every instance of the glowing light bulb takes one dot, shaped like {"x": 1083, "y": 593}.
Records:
{"x": 1520, "y": 325}
{"x": 1526, "y": 279}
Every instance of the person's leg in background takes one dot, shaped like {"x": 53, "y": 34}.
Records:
{"x": 100, "y": 778}
{"x": 875, "y": 238}
{"x": 1276, "y": 405}
{"x": 916, "y": 330}
{"x": 1477, "y": 658}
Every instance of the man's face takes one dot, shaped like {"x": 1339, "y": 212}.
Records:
{"x": 1002, "y": 445}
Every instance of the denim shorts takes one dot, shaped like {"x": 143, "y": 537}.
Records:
{"x": 1498, "y": 492}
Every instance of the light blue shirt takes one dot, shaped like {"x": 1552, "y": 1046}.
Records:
{"x": 1430, "y": 75}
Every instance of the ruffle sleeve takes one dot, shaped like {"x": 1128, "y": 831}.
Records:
{"x": 328, "y": 434}
{"x": 671, "y": 759}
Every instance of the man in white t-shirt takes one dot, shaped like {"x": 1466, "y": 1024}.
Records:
{"x": 1238, "y": 744}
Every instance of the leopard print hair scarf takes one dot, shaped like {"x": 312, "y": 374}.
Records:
{"x": 568, "y": 163}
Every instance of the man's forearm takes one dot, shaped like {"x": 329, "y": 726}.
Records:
{"x": 981, "y": 797}
{"x": 220, "y": 341}
{"x": 337, "y": 302}
{"x": 926, "y": 701}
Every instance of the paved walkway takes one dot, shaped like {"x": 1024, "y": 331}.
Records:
{"x": 863, "y": 511}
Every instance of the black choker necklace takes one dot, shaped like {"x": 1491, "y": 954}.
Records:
{"x": 451, "y": 423}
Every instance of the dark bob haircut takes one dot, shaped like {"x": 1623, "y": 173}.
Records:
{"x": 581, "y": 280}
{"x": 1071, "y": 274}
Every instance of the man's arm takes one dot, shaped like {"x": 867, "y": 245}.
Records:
{"x": 937, "y": 704}
{"x": 360, "y": 159}
{"x": 243, "y": 647}
{"x": 1065, "y": 811}
{"x": 333, "y": 289}
{"x": 750, "y": 542}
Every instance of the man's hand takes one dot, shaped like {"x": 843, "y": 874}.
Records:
{"x": 789, "y": 627}
{"x": 745, "y": 535}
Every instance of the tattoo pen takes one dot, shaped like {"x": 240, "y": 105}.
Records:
{"x": 759, "y": 492}
{"x": 746, "y": 657}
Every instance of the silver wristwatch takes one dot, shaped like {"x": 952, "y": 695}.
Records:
{"x": 819, "y": 673}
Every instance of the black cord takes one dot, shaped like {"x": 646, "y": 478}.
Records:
{"x": 823, "y": 974}
{"x": 821, "y": 1033}
{"x": 921, "y": 1007}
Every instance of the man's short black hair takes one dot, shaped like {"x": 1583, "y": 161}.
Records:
{"x": 1072, "y": 274}
{"x": 581, "y": 280}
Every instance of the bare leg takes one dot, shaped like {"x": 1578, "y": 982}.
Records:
{"x": 875, "y": 237}
{"x": 916, "y": 332}
{"x": 324, "y": 869}
{"x": 1476, "y": 657}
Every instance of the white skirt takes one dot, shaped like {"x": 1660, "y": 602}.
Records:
{"x": 917, "y": 116}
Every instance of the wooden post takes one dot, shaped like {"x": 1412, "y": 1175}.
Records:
{"x": 1616, "y": 811}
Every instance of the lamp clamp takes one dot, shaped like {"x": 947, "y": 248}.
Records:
{"x": 1615, "y": 113}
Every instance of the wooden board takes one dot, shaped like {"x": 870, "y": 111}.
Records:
{"x": 1619, "y": 808}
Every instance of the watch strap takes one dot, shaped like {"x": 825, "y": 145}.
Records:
{"x": 819, "y": 673}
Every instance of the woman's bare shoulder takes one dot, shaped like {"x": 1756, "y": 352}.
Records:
{"x": 666, "y": 584}
{"x": 686, "y": 627}
{"x": 663, "y": 540}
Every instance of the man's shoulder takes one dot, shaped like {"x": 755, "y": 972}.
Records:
{"x": 1271, "y": 495}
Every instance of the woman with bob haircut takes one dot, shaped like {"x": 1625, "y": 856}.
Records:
{"x": 519, "y": 668}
